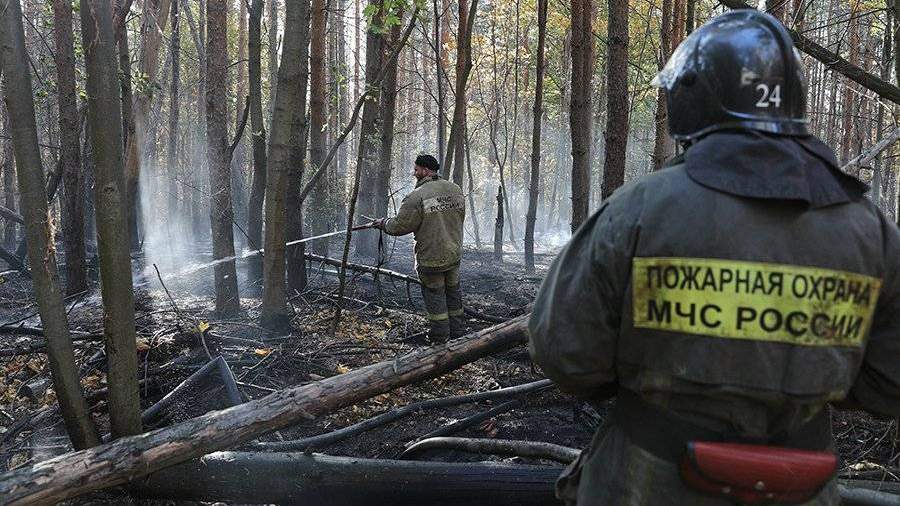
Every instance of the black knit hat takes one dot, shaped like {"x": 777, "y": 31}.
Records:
{"x": 429, "y": 162}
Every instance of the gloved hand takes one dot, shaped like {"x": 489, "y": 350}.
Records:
{"x": 379, "y": 223}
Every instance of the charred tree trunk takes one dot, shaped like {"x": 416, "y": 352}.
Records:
{"x": 104, "y": 115}
{"x": 274, "y": 310}
{"x": 41, "y": 253}
{"x": 70, "y": 150}
{"x": 581, "y": 110}
{"x": 319, "y": 198}
{"x": 297, "y": 478}
{"x": 617, "y": 98}
{"x": 220, "y": 209}
{"x": 258, "y": 136}
{"x": 118, "y": 462}
{"x": 538, "y": 113}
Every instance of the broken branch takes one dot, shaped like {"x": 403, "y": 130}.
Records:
{"x": 834, "y": 61}
{"x": 397, "y": 413}
{"x": 532, "y": 449}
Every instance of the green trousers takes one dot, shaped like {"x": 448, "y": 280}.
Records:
{"x": 443, "y": 303}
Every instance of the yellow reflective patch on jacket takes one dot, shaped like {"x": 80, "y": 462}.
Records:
{"x": 753, "y": 300}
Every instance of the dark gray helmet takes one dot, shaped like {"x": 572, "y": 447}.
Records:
{"x": 739, "y": 71}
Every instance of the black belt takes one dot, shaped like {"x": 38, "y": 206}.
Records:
{"x": 665, "y": 434}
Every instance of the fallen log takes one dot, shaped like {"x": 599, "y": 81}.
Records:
{"x": 322, "y": 440}
{"x": 380, "y": 271}
{"x": 296, "y": 478}
{"x": 130, "y": 457}
{"x": 532, "y": 449}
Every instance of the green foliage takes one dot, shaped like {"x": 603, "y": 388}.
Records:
{"x": 387, "y": 14}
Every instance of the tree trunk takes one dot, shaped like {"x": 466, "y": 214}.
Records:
{"x": 456, "y": 144}
{"x": 8, "y": 167}
{"x": 70, "y": 150}
{"x": 125, "y": 71}
{"x": 895, "y": 8}
{"x": 258, "y": 135}
{"x": 112, "y": 233}
{"x": 317, "y": 212}
{"x": 538, "y": 113}
{"x": 691, "y": 15}
{"x": 387, "y": 112}
{"x": 156, "y": 13}
{"x": 273, "y": 56}
{"x": 368, "y": 155}
{"x": 498, "y": 227}
{"x": 296, "y": 263}
{"x": 850, "y": 93}
{"x": 617, "y": 97}
{"x": 678, "y": 16}
{"x": 274, "y": 310}
{"x": 238, "y": 162}
{"x": 114, "y": 463}
{"x": 337, "y": 176}
{"x": 220, "y": 210}
{"x": 581, "y": 110}
{"x": 41, "y": 252}
{"x": 473, "y": 215}
{"x": 174, "y": 110}
{"x": 663, "y": 146}
{"x": 441, "y": 26}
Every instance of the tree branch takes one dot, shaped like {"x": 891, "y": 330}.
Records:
{"x": 834, "y": 61}
{"x": 240, "y": 131}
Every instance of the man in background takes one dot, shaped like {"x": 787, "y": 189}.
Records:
{"x": 434, "y": 213}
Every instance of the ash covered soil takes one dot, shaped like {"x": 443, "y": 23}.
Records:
{"x": 381, "y": 320}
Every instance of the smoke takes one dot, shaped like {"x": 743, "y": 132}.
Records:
{"x": 172, "y": 234}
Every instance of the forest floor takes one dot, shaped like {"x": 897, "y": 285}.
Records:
{"x": 382, "y": 319}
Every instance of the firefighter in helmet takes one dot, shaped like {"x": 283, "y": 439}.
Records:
{"x": 728, "y": 299}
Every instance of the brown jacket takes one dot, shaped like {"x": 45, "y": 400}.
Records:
{"x": 434, "y": 212}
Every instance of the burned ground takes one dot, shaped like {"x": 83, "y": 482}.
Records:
{"x": 383, "y": 318}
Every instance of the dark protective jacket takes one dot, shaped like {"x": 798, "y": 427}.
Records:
{"x": 742, "y": 289}
{"x": 434, "y": 212}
